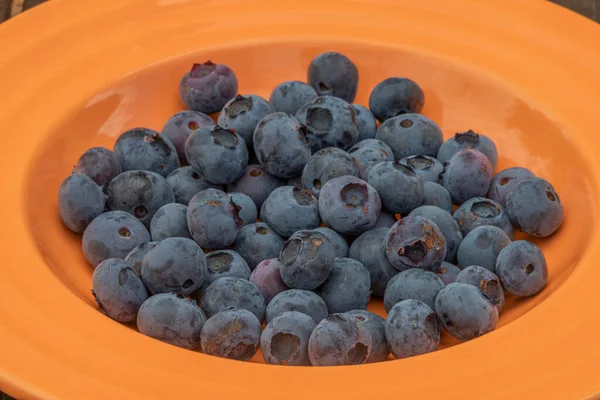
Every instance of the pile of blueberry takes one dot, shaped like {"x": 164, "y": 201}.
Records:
{"x": 305, "y": 208}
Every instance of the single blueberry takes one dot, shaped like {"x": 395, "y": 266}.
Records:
{"x": 289, "y": 209}
{"x": 170, "y": 221}
{"x": 480, "y": 211}
{"x": 466, "y": 175}
{"x": 399, "y": 186}
{"x": 412, "y": 328}
{"x": 289, "y": 96}
{"x": 257, "y": 242}
{"x": 447, "y": 225}
{"x": 247, "y": 209}
{"x": 486, "y": 281}
{"x": 447, "y": 272}
{"x": 223, "y": 263}
{"x": 232, "y": 333}
{"x": 339, "y": 243}
{"x": 395, "y": 96}
{"x": 180, "y": 126}
{"x": 256, "y": 183}
{"x": 80, "y": 200}
{"x": 481, "y": 247}
{"x": 411, "y": 134}
{"x": 428, "y": 168}
{"x": 284, "y": 341}
{"x": 415, "y": 284}
{"x": 333, "y": 74}
{"x": 436, "y": 195}
{"x": 242, "y": 113}
{"x": 232, "y": 292}
{"x": 324, "y": 165}
{"x": 185, "y": 183}
{"x": 367, "y": 124}
{"x": 208, "y": 87}
{"x": 348, "y": 287}
{"x": 267, "y": 278}
{"x": 468, "y": 140}
{"x": 521, "y": 267}
{"x": 504, "y": 181}
{"x": 376, "y": 327}
{"x": 303, "y": 301}
{"x": 100, "y": 164}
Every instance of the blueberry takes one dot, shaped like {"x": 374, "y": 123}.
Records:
{"x": 486, "y": 281}
{"x": 117, "y": 289}
{"x": 339, "y": 339}
{"x": 180, "y": 126}
{"x": 339, "y": 243}
{"x": 138, "y": 253}
{"x": 373, "y": 144}
{"x": 436, "y": 195}
{"x": 333, "y": 74}
{"x": 140, "y": 193}
{"x": 330, "y": 122}
{"x": 369, "y": 250}
{"x": 447, "y": 225}
{"x": 466, "y": 175}
{"x": 213, "y": 219}
{"x": 267, "y": 278}
{"x": 255, "y": 183}
{"x": 112, "y": 235}
{"x": 243, "y": 113}
{"x": 100, "y": 164}
{"x": 395, "y": 96}
{"x": 447, "y": 272}
{"x": 217, "y": 154}
{"x": 504, "y": 181}
{"x": 534, "y": 207}
{"x": 232, "y": 333}
{"x": 185, "y": 183}
{"x": 522, "y": 268}
{"x": 465, "y": 312}
{"x": 367, "y": 124}
{"x": 175, "y": 265}
{"x": 349, "y": 205}
{"x": 376, "y": 327}
{"x": 171, "y": 319}
{"x": 289, "y": 209}
{"x": 257, "y": 242}
{"x": 224, "y": 263}
{"x": 303, "y": 301}
{"x": 281, "y": 145}
{"x": 80, "y": 200}
{"x": 146, "y": 149}
{"x": 247, "y": 209}
{"x": 480, "y": 211}
{"x": 481, "y": 247}
{"x": 208, "y": 87}
{"x": 348, "y": 287}
{"x": 170, "y": 221}
{"x": 306, "y": 260}
{"x": 385, "y": 220}
{"x": 411, "y": 134}
{"x": 399, "y": 186}
{"x": 468, "y": 140}
{"x": 232, "y": 292}
{"x": 415, "y": 242}
{"x": 289, "y": 96}
{"x": 367, "y": 157}
{"x": 284, "y": 341}
{"x": 428, "y": 168}
{"x": 415, "y": 284}
{"x": 324, "y": 165}
{"x": 412, "y": 328}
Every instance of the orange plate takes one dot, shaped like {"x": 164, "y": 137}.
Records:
{"x": 74, "y": 74}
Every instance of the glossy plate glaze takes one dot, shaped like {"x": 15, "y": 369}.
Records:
{"x": 524, "y": 72}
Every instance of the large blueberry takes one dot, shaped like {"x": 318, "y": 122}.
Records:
{"x": 146, "y": 149}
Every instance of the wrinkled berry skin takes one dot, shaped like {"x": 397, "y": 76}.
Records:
{"x": 289, "y": 96}
{"x": 242, "y": 113}
{"x": 368, "y": 157}
{"x": 180, "y": 126}
{"x": 369, "y": 250}
{"x": 257, "y": 242}
{"x": 436, "y": 195}
{"x": 447, "y": 225}
{"x": 306, "y": 260}
{"x": 333, "y": 74}
{"x": 521, "y": 267}
{"x": 289, "y": 209}
{"x": 219, "y": 155}
{"x": 208, "y": 87}
{"x": 385, "y": 220}
{"x": 480, "y": 211}
{"x": 256, "y": 183}
{"x": 376, "y": 327}
{"x": 465, "y": 312}
{"x": 247, "y": 209}
{"x": 339, "y": 339}
{"x": 339, "y": 243}
{"x": 303, "y": 301}
{"x": 112, "y": 235}
{"x": 232, "y": 292}
{"x": 412, "y": 328}
{"x": 80, "y": 200}
{"x": 486, "y": 281}
{"x": 224, "y": 263}
{"x": 284, "y": 341}
{"x": 481, "y": 247}
{"x": 466, "y": 175}
{"x": 414, "y": 283}
{"x": 171, "y": 319}
{"x": 213, "y": 219}
{"x": 117, "y": 289}
{"x": 330, "y": 122}
{"x": 395, "y": 96}
{"x": 100, "y": 164}
{"x": 415, "y": 242}
{"x": 281, "y": 145}
{"x": 267, "y": 278}
{"x": 232, "y": 333}
{"x": 504, "y": 181}
{"x": 324, "y": 165}
{"x": 428, "y": 168}
{"x": 140, "y": 193}
{"x": 349, "y": 205}
{"x": 147, "y": 150}
{"x": 367, "y": 124}
{"x": 348, "y": 287}
{"x": 534, "y": 207}
{"x": 170, "y": 221}
{"x": 411, "y": 134}
{"x": 138, "y": 253}
{"x": 447, "y": 272}
{"x": 185, "y": 183}
{"x": 399, "y": 186}
{"x": 468, "y": 140}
